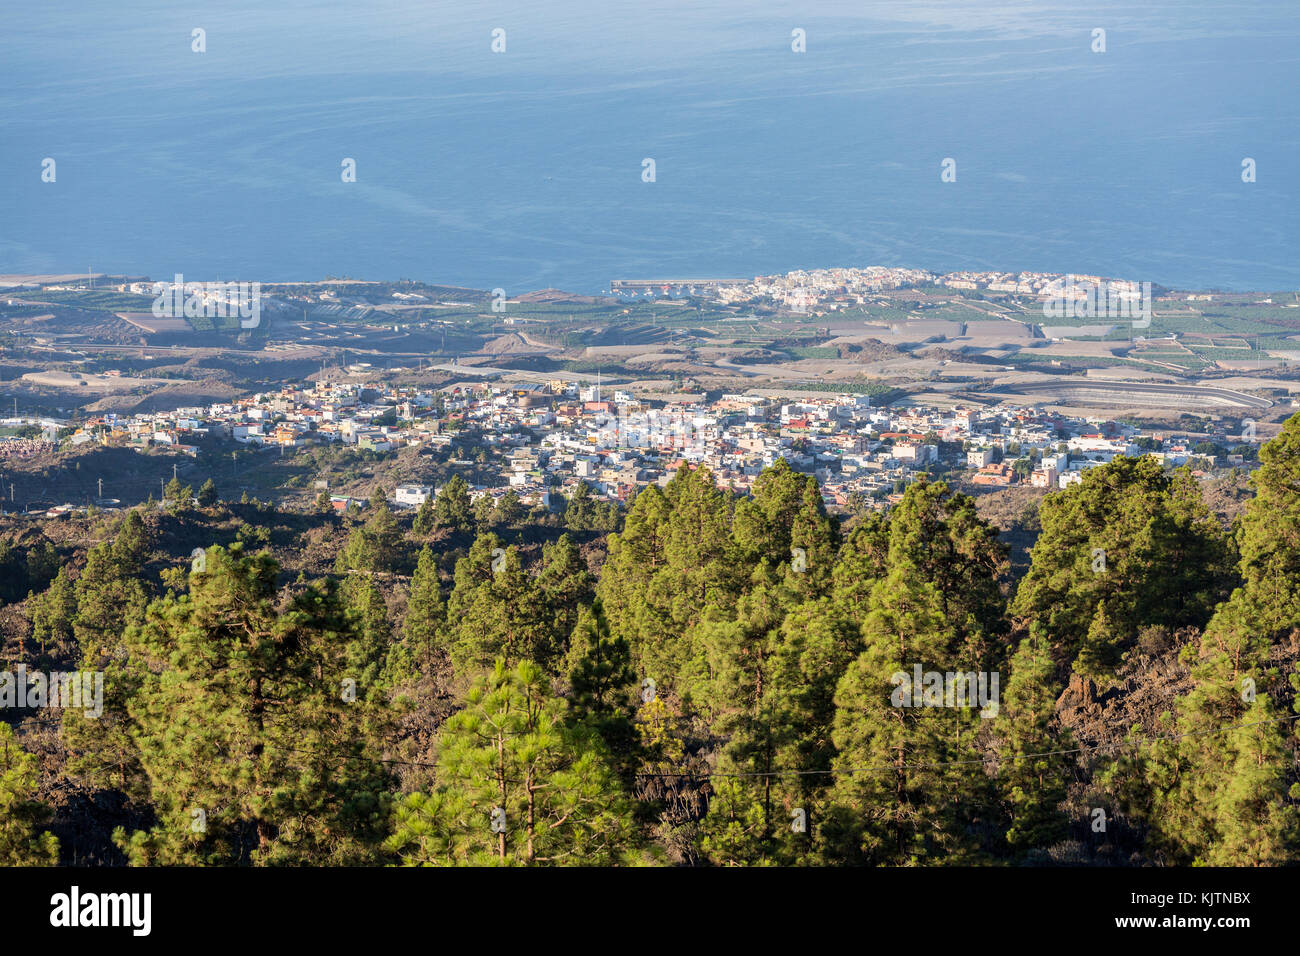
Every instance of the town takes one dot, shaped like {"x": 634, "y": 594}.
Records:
{"x": 541, "y": 439}
{"x": 838, "y": 288}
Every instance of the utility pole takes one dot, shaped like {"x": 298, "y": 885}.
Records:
{"x": 101, "y": 487}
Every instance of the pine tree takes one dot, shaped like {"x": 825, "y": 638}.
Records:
{"x": 601, "y": 686}
{"x": 565, "y": 585}
{"x": 376, "y": 546}
{"x": 674, "y": 560}
{"x": 739, "y": 648}
{"x": 737, "y": 830}
{"x": 862, "y": 561}
{"x": 425, "y": 520}
{"x": 518, "y": 785}
{"x": 937, "y": 536}
{"x": 13, "y": 580}
{"x": 485, "y": 513}
{"x": 426, "y": 613}
{"x": 43, "y": 564}
{"x": 818, "y": 641}
{"x": 53, "y": 613}
{"x": 1226, "y": 792}
{"x": 177, "y": 496}
{"x": 385, "y": 539}
{"x": 496, "y": 610}
{"x": 20, "y": 844}
{"x": 1033, "y": 788}
{"x": 785, "y": 522}
{"x": 207, "y": 496}
{"x": 509, "y": 509}
{"x": 896, "y": 798}
{"x": 131, "y": 544}
{"x": 1222, "y": 792}
{"x": 110, "y": 599}
{"x": 581, "y": 513}
{"x": 1129, "y": 540}
{"x": 737, "y": 651}
{"x": 368, "y": 650}
{"x": 452, "y": 509}
{"x": 252, "y": 747}
{"x": 634, "y": 557}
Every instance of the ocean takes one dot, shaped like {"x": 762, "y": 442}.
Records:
{"x": 525, "y": 169}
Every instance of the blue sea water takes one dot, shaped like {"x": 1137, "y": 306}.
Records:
{"x": 523, "y": 169}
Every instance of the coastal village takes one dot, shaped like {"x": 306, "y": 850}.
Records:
{"x": 826, "y": 290}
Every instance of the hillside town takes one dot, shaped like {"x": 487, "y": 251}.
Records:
{"x": 541, "y": 439}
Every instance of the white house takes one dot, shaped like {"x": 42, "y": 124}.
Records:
{"x": 412, "y": 496}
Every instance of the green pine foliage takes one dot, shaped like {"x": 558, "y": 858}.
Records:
{"x": 1232, "y": 797}
{"x": 244, "y": 725}
{"x": 1034, "y": 773}
{"x": 452, "y": 508}
{"x": 520, "y": 784}
{"x": 21, "y": 844}
{"x": 1132, "y": 545}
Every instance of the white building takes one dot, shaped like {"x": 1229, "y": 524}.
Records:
{"x": 412, "y": 496}
{"x": 920, "y": 454}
